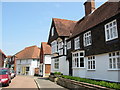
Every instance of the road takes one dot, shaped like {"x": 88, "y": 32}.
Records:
{"x": 22, "y": 82}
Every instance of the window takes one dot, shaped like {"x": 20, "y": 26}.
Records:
{"x": 56, "y": 63}
{"x": 111, "y": 30}
{"x": 87, "y": 38}
{"x": 54, "y": 46}
{"x": 60, "y": 45}
{"x": 52, "y": 32}
{"x": 77, "y": 43}
{"x": 78, "y": 59}
{"x": 114, "y": 60}
{"x": 69, "y": 45}
{"x": 91, "y": 63}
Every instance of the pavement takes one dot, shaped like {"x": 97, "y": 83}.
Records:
{"x": 44, "y": 84}
{"x": 21, "y": 81}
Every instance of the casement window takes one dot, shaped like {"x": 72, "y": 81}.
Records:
{"x": 78, "y": 60}
{"x": 54, "y": 46}
{"x": 87, "y": 38}
{"x": 52, "y": 31}
{"x": 91, "y": 63}
{"x": 114, "y": 60}
{"x": 111, "y": 30}
{"x": 69, "y": 45}
{"x": 60, "y": 45}
{"x": 56, "y": 63}
{"x": 77, "y": 43}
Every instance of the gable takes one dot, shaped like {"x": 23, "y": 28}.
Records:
{"x": 55, "y": 36}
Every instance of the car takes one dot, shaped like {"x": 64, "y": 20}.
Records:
{"x": 13, "y": 73}
{"x": 5, "y": 76}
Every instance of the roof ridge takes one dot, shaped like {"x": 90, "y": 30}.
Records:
{"x": 64, "y": 19}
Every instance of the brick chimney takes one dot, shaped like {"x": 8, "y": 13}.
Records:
{"x": 89, "y": 6}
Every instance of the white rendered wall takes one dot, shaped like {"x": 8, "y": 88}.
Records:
{"x": 52, "y": 66}
{"x": 63, "y": 65}
{"x": 29, "y": 63}
{"x": 79, "y": 72}
{"x": 47, "y": 59}
{"x": 102, "y": 71}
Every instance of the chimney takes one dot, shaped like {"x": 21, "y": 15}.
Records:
{"x": 89, "y": 6}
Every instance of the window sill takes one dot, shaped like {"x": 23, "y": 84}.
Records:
{"x": 91, "y": 69}
{"x": 113, "y": 69}
{"x": 78, "y": 67}
{"x": 56, "y": 69}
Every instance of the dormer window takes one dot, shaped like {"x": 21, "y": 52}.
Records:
{"x": 111, "y": 30}
{"x": 52, "y": 32}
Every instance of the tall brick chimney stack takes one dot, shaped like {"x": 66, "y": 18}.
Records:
{"x": 89, "y": 6}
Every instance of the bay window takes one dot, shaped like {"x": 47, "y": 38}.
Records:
{"x": 78, "y": 59}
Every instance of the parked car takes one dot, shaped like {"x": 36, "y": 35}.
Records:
{"x": 13, "y": 73}
{"x": 5, "y": 76}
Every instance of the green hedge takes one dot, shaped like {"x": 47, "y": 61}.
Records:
{"x": 57, "y": 73}
{"x": 101, "y": 83}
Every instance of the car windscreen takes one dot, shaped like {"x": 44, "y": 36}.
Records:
{"x": 3, "y": 71}
{"x": 12, "y": 71}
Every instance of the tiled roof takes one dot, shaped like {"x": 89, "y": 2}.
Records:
{"x": 64, "y": 27}
{"x": 32, "y": 52}
{"x": 9, "y": 56}
{"x": 46, "y": 48}
{"x": 104, "y": 12}
{"x": 1, "y": 52}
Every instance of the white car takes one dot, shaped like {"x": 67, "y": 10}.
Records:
{"x": 13, "y": 74}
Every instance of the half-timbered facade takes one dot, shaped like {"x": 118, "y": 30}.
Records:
{"x": 60, "y": 31}
{"x": 94, "y": 47}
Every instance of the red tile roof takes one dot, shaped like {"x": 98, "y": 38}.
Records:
{"x": 32, "y": 52}
{"x": 64, "y": 27}
{"x": 104, "y": 12}
{"x": 46, "y": 48}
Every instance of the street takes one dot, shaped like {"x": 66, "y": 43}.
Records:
{"x": 22, "y": 82}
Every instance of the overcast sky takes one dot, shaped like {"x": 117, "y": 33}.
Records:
{"x": 27, "y": 23}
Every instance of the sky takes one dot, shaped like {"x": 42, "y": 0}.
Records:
{"x": 28, "y": 23}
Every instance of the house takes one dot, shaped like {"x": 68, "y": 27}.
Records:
{"x": 45, "y": 59}
{"x": 27, "y": 60}
{"x": 2, "y": 58}
{"x": 60, "y": 31}
{"x": 9, "y": 62}
{"x": 94, "y": 46}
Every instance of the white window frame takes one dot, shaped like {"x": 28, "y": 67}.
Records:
{"x": 76, "y": 59}
{"x": 56, "y": 63}
{"x": 77, "y": 43}
{"x": 91, "y": 63}
{"x": 111, "y": 31}
{"x": 52, "y": 31}
{"x": 114, "y": 57}
{"x": 87, "y": 38}
{"x": 69, "y": 45}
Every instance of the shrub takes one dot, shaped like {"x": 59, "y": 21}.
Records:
{"x": 101, "y": 83}
{"x": 57, "y": 73}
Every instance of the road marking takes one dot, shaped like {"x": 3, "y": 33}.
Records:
{"x": 37, "y": 83}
